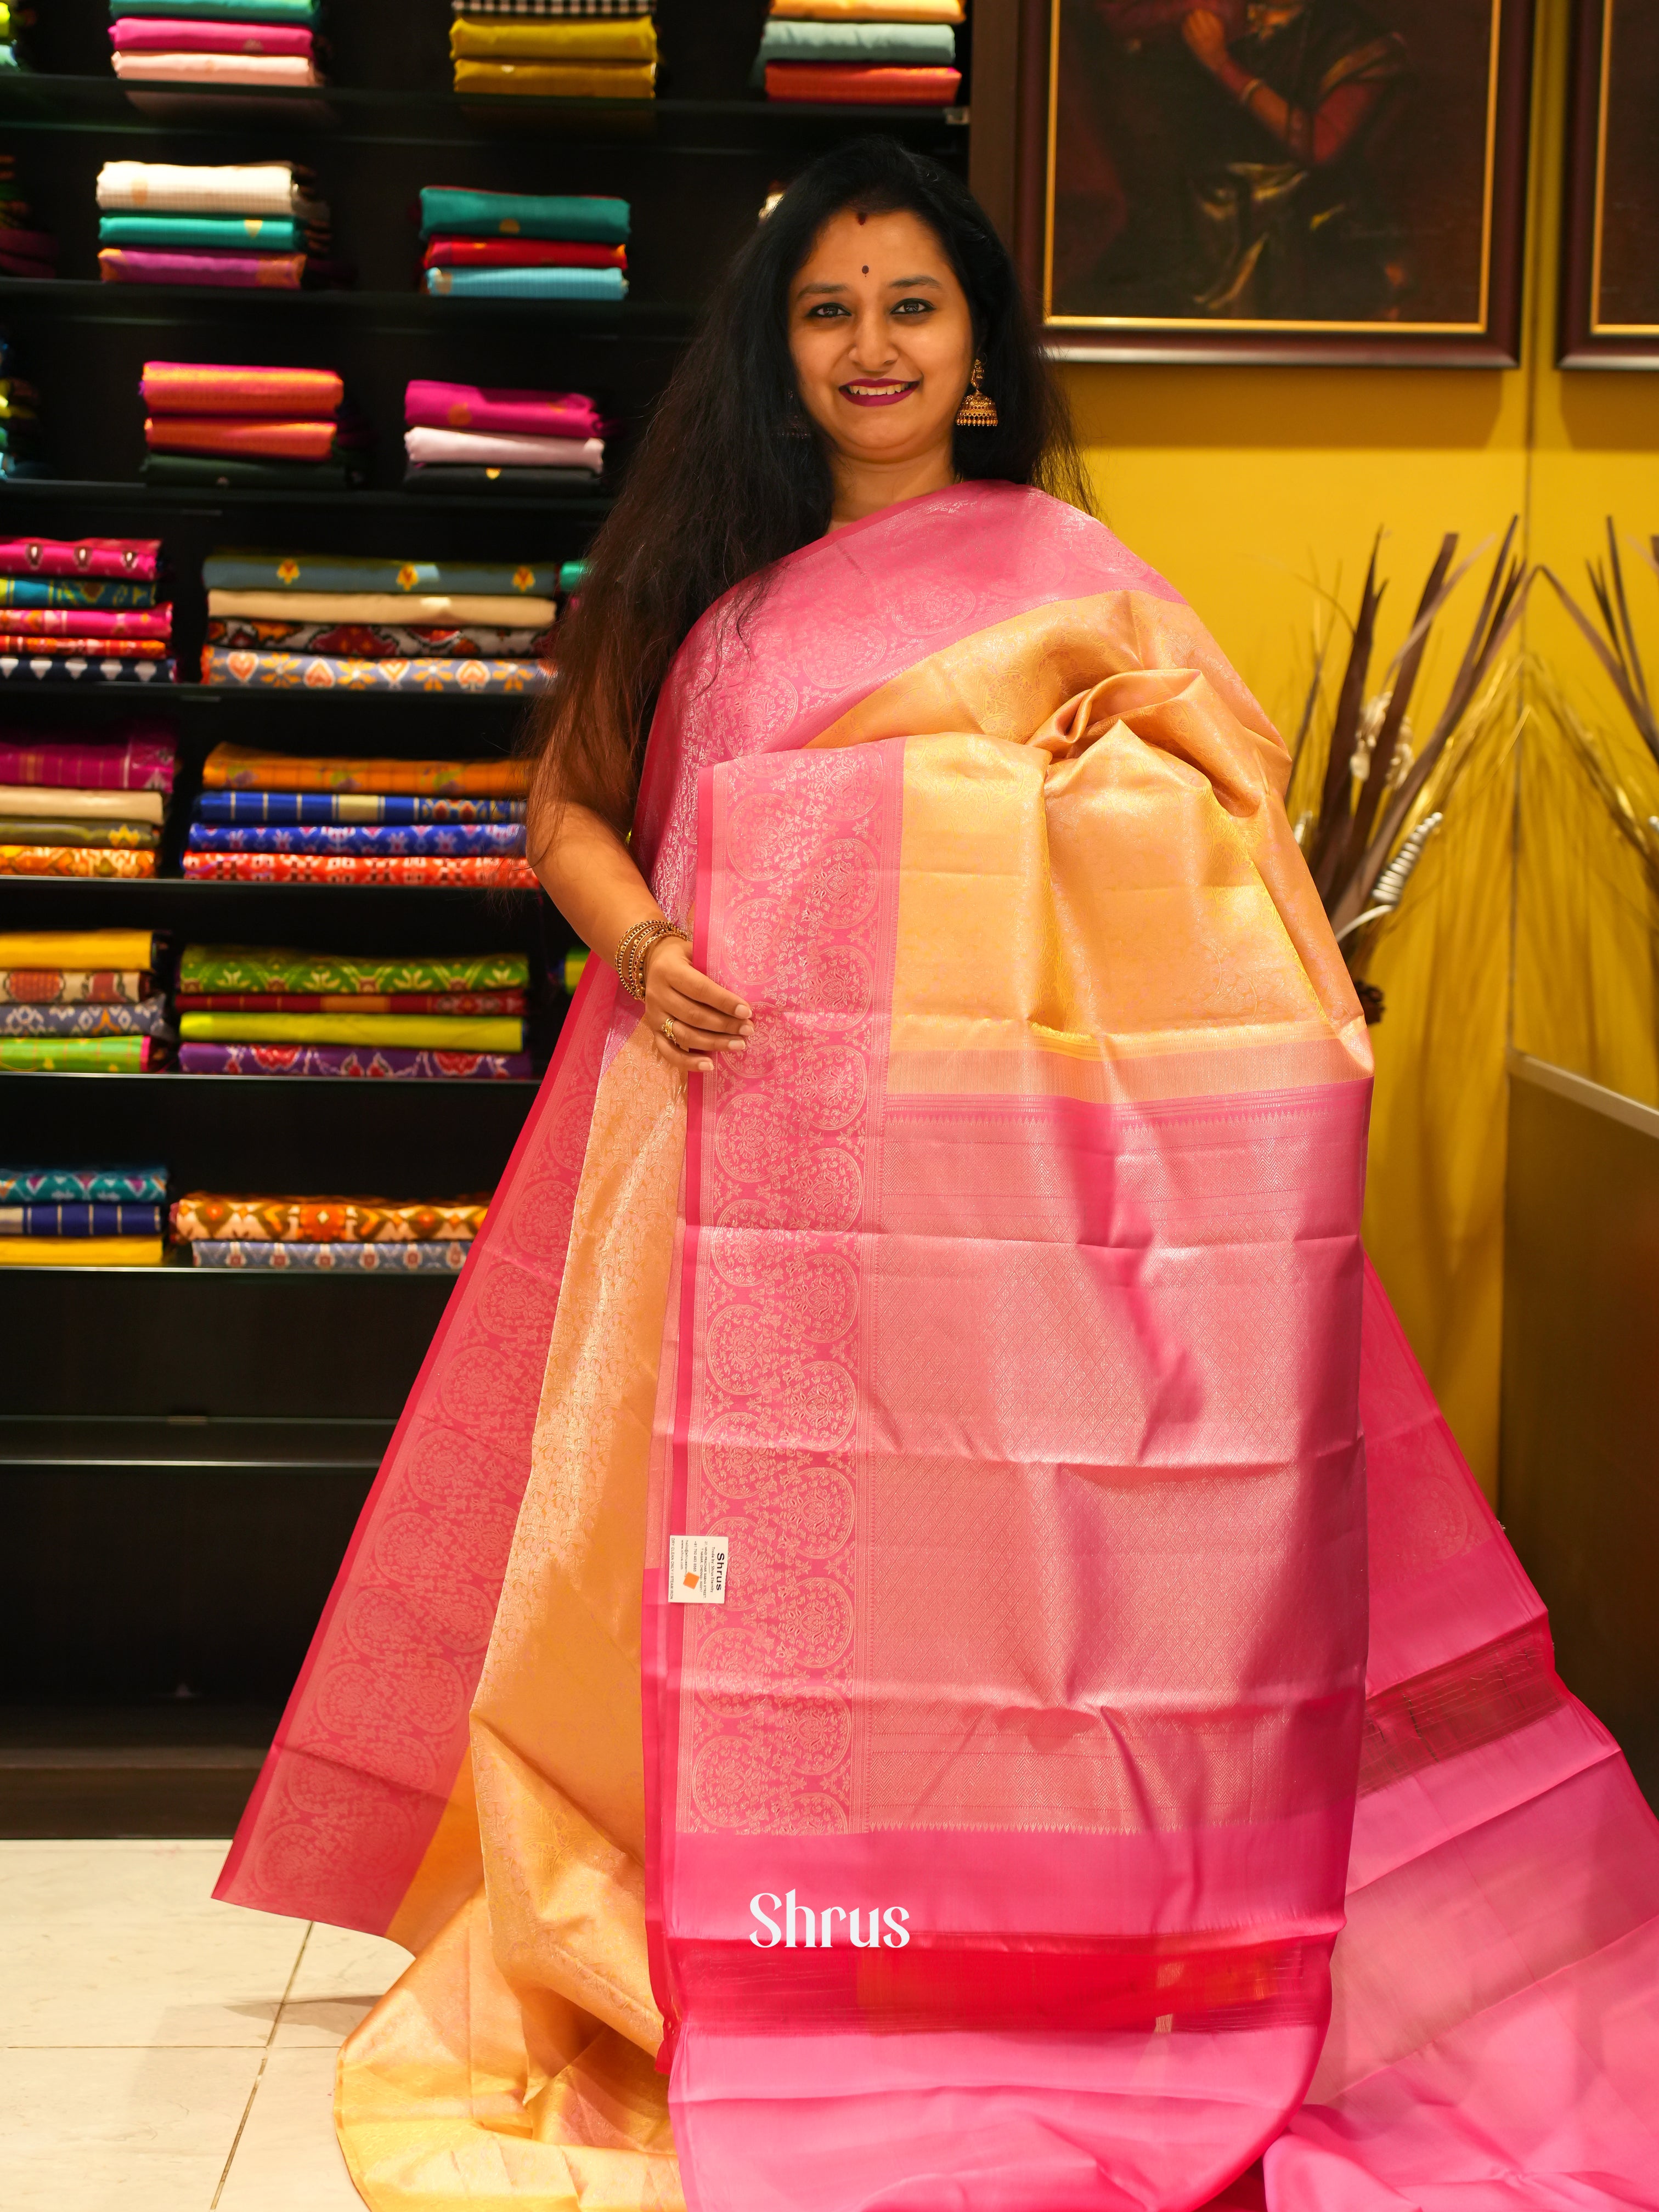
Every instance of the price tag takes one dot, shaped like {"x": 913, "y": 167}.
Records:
{"x": 696, "y": 1569}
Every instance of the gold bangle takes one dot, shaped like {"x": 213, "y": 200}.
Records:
{"x": 634, "y": 949}
{"x": 1248, "y": 93}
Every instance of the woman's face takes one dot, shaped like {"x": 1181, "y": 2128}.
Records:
{"x": 882, "y": 338}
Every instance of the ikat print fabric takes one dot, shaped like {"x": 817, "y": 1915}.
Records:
{"x": 462, "y": 841}
{"x": 148, "y": 1017}
{"x": 207, "y": 1214}
{"x": 475, "y": 873}
{"x": 375, "y": 1062}
{"x": 32, "y": 1186}
{"x": 334, "y": 1258}
{"x": 347, "y": 641}
{"x": 72, "y": 987}
{"x": 251, "y": 1010}
{"x": 309, "y": 808}
{"x": 320, "y": 671}
{"x": 256, "y": 969}
{"x": 54, "y": 633}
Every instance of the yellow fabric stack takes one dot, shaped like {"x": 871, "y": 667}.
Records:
{"x": 562, "y": 56}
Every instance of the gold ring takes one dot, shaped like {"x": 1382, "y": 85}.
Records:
{"x": 668, "y": 1027}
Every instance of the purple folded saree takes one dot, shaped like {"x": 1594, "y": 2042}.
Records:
{"x": 351, "y": 1060}
{"x": 274, "y": 272}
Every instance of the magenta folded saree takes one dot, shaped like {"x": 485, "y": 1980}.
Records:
{"x": 992, "y": 1334}
{"x": 199, "y": 34}
{"x": 79, "y": 556}
{"x": 429, "y": 406}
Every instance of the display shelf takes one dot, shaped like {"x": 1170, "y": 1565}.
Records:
{"x": 90, "y": 300}
{"x": 428, "y": 116}
{"x": 191, "y": 1440}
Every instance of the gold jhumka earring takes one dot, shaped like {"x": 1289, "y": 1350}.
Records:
{"x": 978, "y": 411}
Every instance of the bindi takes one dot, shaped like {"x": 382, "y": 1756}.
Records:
{"x": 866, "y": 269}
{"x": 863, "y": 219}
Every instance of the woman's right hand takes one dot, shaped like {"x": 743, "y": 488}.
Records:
{"x": 706, "y": 1018}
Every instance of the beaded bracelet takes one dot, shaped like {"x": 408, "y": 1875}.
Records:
{"x": 635, "y": 948}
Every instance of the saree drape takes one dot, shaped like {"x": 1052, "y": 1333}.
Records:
{"x": 1002, "y": 1314}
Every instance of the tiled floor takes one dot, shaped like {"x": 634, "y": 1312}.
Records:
{"x": 162, "y": 2053}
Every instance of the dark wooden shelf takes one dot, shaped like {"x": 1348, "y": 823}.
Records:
{"x": 84, "y": 300}
{"x": 431, "y": 116}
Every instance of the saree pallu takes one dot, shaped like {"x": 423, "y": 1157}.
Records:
{"x": 70, "y": 987}
{"x": 341, "y": 1060}
{"x": 34, "y": 1186}
{"x": 1000, "y": 1314}
{"x": 454, "y": 1033}
{"x": 318, "y": 671}
{"x": 375, "y": 842}
{"x": 74, "y": 860}
{"x": 258, "y": 968}
{"x": 148, "y": 1017}
{"x": 205, "y": 1214}
{"x": 114, "y": 557}
{"x": 262, "y": 867}
{"x": 189, "y": 387}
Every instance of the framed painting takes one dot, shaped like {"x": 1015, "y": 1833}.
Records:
{"x": 1610, "y": 264}
{"x": 1273, "y": 181}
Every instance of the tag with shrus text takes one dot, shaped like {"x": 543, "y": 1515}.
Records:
{"x": 696, "y": 1569}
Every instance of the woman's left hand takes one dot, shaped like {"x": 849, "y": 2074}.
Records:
{"x": 690, "y": 1016}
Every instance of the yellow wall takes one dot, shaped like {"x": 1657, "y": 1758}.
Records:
{"x": 1249, "y": 487}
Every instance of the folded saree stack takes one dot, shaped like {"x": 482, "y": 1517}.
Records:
{"x": 109, "y": 1216}
{"x": 278, "y": 818}
{"x": 80, "y": 1002}
{"x": 861, "y": 52}
{"x": 25, "y": 249}
{"x": 462, "y": 439}
{"x": 247, "y": 225}
{"x": 555, "y": 49}
{"x": 358, "y": 1236}
{"x": 85, "y": 610}
{"x": 523, "y": 246}
{"x": 328, "y": 622}
{"x": 81, "y": 807}
{"x": 251, "y": 1010}
{"x": 281, "y": 429}
{"x": 261, "y": 42}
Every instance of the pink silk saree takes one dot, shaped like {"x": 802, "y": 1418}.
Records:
{"x": 1003, "y": 1311}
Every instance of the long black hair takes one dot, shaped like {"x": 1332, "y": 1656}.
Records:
{"x": 719, "y": 489}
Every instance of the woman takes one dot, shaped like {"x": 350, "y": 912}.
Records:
{"x": 920, "y": 1338}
